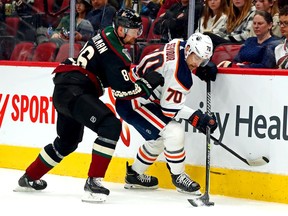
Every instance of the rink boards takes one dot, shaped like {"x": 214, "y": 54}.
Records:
{"x": 250, "y": 105}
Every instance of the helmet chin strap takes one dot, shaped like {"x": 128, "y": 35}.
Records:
{"x": 186, "y": 53}
{"x": 120, "y": 38}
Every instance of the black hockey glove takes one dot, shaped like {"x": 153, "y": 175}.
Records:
{"x": 207, "y": 72}
{"x": 149, "y": 81}
{"x": 201, "y": 121}
{"x": 154, "y": 78}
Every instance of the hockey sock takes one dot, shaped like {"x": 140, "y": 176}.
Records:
{"x": 46, "y": 160}
{"x": 102, "y": 152}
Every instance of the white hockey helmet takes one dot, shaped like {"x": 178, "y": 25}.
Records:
{"x": 201, "y": 45}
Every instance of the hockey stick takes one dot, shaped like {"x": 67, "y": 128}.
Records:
{"x": 204, "y": 200}
{"x": 256, "y": 162}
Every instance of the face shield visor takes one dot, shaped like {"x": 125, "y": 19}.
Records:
{"x": 134, "y": 32}
{"x": 200, "y": 61}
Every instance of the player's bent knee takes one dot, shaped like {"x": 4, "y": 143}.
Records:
{"x": 173, "y": 128}
{"x": 173, "y": 133}
{"x": 110, "y": 128}
{"x": 64, "y": 148}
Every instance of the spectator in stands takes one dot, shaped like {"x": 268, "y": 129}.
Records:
{"x": 258, "y": 52}
{"x": 166, "y": 4}
{"x": 83, "y": 28}
{"x": 117, "y": 4}
{"x": 270, "y": 6}
{"x": 150, "y": 8}
{"x": 173, "y": 23}
{"x": 169, "y": 6}
{"x": 214, "y": 16}
{"x": 281, "y": 51}
{"x": 27, "y": 19}
{"x": 239, "y": 23}
{"x": 101, "y": 15}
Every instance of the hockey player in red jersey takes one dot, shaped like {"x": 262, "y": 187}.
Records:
{"x": 79, "y": 83}
{"x": 155, "y": 118}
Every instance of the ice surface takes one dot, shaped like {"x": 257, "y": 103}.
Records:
{"x": 63, "y": 197}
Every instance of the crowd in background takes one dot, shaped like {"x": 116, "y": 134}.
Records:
{"x": 225, "y": 21}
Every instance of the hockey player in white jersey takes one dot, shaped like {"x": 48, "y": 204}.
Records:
{"x": 155, "y": 118}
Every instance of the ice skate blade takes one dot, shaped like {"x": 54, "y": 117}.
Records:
{"x": 24, "y": 189}
{"x": 94, "y": 197}
{"x": 194, "y": 193}
{"x": 135, "y": 186}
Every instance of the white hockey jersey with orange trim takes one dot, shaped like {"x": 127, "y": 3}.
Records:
{"x": 170, "y": 62}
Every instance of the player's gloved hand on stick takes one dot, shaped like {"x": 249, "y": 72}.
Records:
{"x": 200, "y": 121}
{"x": 149, "y": 81}
{"x": 208, "y": 72}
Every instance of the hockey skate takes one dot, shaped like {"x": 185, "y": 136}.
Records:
{"x": 28, "y": 185}
{"x": 134, "y": 180}
{"x": 95, "y": 192}
{"x": 184, "y": 184}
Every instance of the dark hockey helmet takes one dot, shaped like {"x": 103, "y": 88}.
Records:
{"x": 127, "y": 18}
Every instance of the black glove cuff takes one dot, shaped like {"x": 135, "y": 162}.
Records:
{"x": 145, "y": 86}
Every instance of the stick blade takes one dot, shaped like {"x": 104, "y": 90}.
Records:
{"x": 258, "y": 162}
{"x": 201, "y": 201}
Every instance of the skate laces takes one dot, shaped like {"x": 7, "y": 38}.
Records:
{"x": 96, "y": 181}
{"x": 144, "y": 178}
{"x": 184, "y": 180}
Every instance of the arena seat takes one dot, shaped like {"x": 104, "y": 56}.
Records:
{"x": 152, "y": 37}
{"x": 23, "y": 51}
{"x": 12, "y": 25}
{"x": 63, "y": 52}
{"x": 225, "y": 52}
{"x": 65, "y": 4}
{"x": 45, "y": 52}
{"x": 38, "y": 6}
{"x": 146, "y": 22}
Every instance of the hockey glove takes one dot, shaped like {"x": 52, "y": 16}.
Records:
{"x": 207, "y": 72}
{"x": 200, "y": 121}
{"x": 149, "y": 81}
{"x": 154, "y": 78}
